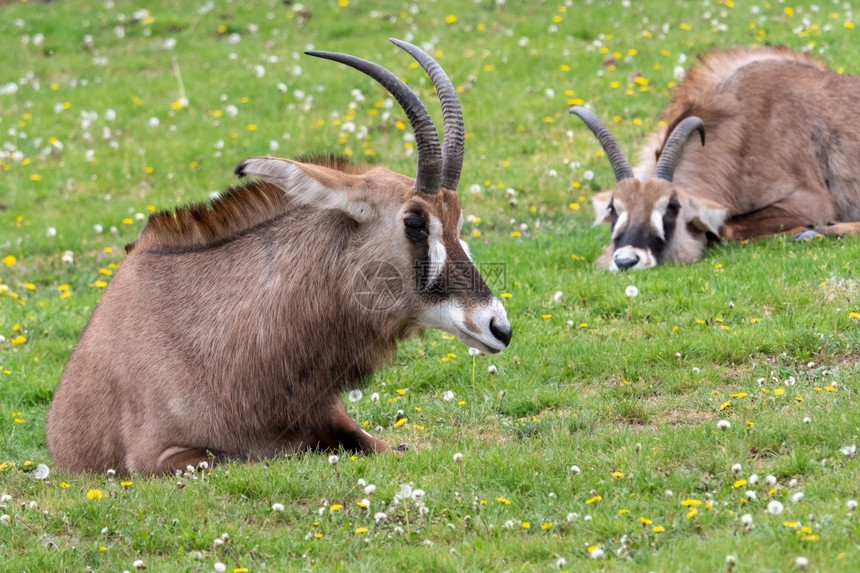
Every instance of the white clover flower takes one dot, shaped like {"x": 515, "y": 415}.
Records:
{"x": 631, "y": 291}
{"x": 724, "y": 424}
{"x": 355, "y": 395}
{"x": 523, "y": 41}
{"x": 217, "y": 541}
{"x": 736, "y": 468}
{"x": 278, "y": 507}
{"x": 458, "y": 457}
{"x": 169, "y": 43}
{"x": 587, "y": 518}
{"x": 361, "y": 482}
{"x": 42, "y": 472}
{"x": 747, "y": 519}
{"x": 801, "y": 562}
{"x": 333, "y": 460}
{"x": 774, "y": 507}
{"x": 111, "y": 473}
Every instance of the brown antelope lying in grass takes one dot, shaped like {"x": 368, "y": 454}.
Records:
{"x": 782, "y": 156}
{"x": 231, "y": 328}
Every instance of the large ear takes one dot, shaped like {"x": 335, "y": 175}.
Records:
{"x": 601, "y": 202}
{"x": 309, "y": 185}
{"x": 702, "y": 214}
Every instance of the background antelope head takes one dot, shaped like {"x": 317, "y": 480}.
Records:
{"x": 652, "y": 221}
{"x": 411, "y": 262}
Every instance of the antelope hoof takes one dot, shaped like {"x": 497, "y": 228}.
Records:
{"x": 808, "y": 235}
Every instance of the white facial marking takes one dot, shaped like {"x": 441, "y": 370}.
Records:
{"x": 657, "y": 216}
{"x": 454, "y": 318}
{"x": 304, "y": 188}
{"x": 643, "y": 257}
{"x": 620, "y": 225}
{"x": 435, "y": 249}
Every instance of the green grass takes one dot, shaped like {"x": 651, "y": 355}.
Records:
{"x": 761, "y": 335}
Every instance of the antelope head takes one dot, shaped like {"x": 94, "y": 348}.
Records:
{"x": 656, "y": 220}
{"x": 407, "y": 260}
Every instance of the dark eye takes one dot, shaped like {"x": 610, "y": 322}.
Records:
{"x": 415, "y": 228}
{"x": 611, "y": 209}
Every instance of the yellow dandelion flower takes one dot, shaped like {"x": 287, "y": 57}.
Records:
{"x": 18, "y": 340}
{"x": 503, "y": 500}
{"x": 94, "y": 494}
{"x": 9, "y": 260}
{"x": 790, "y": 524}
{"x": 546, "y": 316}
{"x": 506, "y": 295}
{"x": 526, "y": 525}
{"x": 644, "y": 521}
{"x": 335, "y": 507}
{"x": 64, "y": 485}
{"x": 400, "y": 422}
{"x": 829, "y": 389}
{"x": 343, "y": 3}
{"x": 778, "y": 392}
{"x": 740, "y": 483}
{"x": 738, "y": 395}
{"x": 546, "y": 525}
{"x": 691, "y": 502}
{"x": 125, "y": 483}
{"x": 849, "y": 25}
{"x": 658, "y": 529}
{"x": 35, "y": 177}
{"x": 401, "y": 392}
{"x": 623, "y": 511}
{"x": 450, "y": 19}
{"x": 102, "y": 548}
{"x": 692, "y": 513}
{"x": 360, "y": 530}
{"x": 725, "y": 405}
{"x": 252, "y": 127}
{"x": 617, "y": 474}
{"x": 595, "y": 499}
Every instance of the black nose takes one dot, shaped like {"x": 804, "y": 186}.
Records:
{"x": 502, "y": 332}
{"x": 624, "y": 263}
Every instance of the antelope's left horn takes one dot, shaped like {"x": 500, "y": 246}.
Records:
{"x": 671, "y": 152}
{"x": 613, "y": 151}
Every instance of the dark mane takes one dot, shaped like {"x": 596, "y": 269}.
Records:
{"x": 240, "y": 208}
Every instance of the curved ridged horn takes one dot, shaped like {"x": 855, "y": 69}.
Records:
{"x": 674, "y": 144}
{"x": 429, "y": 172}
{"x": 453, "y": 135}
{"x": 613, "y": 151}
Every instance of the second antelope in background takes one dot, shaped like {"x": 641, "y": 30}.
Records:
{"x": 782, "y": 154}
{"x": 231, "y": 328}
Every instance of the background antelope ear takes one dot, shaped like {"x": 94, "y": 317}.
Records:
{"x": 308, "y": 185}
{"x": 702, "y": 214}
{"x": 601, "y": 202}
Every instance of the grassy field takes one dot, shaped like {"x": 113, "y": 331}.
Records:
{"x": 108, "y": 112}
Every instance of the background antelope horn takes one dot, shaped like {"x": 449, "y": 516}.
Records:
{"x": 429, "y": 172}
{"x": 675, "y": 144}
{"x": 453, "y": 137}
{"x": 613, "y": 151}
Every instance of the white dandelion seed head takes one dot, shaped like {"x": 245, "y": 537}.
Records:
{"x": 139, "y": 564}
{"x": 751, "y": 495}
{"x": 574, "y": 470}
{"x": 491, "y": 369}
{"x": 724, "y": 424}
{"x": 448, "y": 395}
{"x": 849, "y": 451}
{"x": 572, "y": 517}
{"x": 33, "y": 505}
{"x": 770, "y": 480}
{"x": 379, "y": 516}
{"x": 747, "y": 519}
{"x": 851, "y": 504}
{"x": 405, "y": 491}
{"x": 153, "y": 122}
{"x": 355, "y": 395}
{"x": 418, "y": 494}
{"x": 557, "y": 296}
{"x": 333, "y": 460}
{"x": 597, "y": 553}
{"x": 369, "y": 489}
{"x": 42, "y": 472}
{"x": 474, "y": 351}
{"x": 587, "y": 518}
{"x": 560, "y": 562}
{"x": 361, "y": 482}
{"x": 753, "y": 479}
{"x": 220, "y": 567}
{"x": 731, "y": 559}
{"x": 51, "y": 232}
{"x": 279, "y": 507}
{"x": 797, "y": 497}
{"x": 807, "y": 420}
{"x": 68, "y": 257}
{"x": 374, "y": 397}
{"x": 801, "y": 562}
{"x": 631, "y": 291}
{"x": 792, "y": 482}
{"x": 774, "y": 507}
{"x": 458, "y": 457}
{"x": 736, "y": 468}
{"x": 5, "y": 518}
{"x": 509, "y": 524}
{"x": 5, "y": 497}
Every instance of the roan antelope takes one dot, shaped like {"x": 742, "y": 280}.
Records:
{"x": 783, "y": 141}
{"x": 231, "y": 327}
